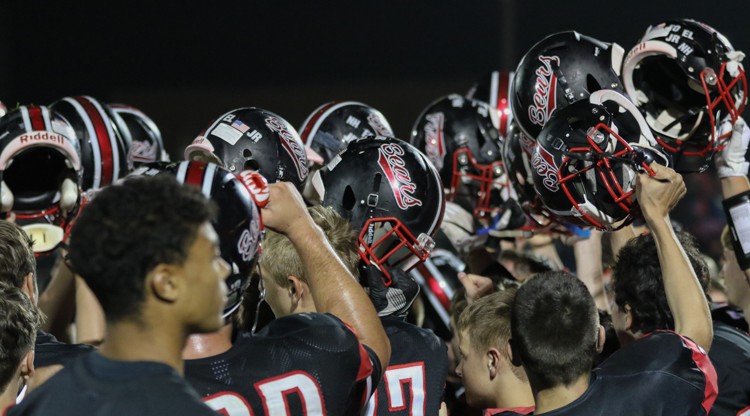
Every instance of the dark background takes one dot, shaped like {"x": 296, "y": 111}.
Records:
{"x": 184, "y": 64}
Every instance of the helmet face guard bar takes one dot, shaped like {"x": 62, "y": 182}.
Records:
{"x": 490, "y": 177}
{"x": 734, "y": 108}
{"x": 385, "y": 237}
{"x": 602, "y": 165}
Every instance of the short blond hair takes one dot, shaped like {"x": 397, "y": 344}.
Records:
{"x": 280, "y": 259}
{"x": 486, "y": 322}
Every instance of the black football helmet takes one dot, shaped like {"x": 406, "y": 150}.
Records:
{"x": 457, "y": 134}
{"x": 251, "y": 138}
{"x": 141, "y": 135}
{"x": 238, "y": 223}
{"x": 40, "y": 170}
{"x": 686, "y": 78}
{"x": 333, "y": 125}
{"x": 559, "y": 70}
{"x": 586, "y": 158}
{"x": 496, "y": 91}
{"x": 393, "y": 197}
{"x": 103, "y": 150}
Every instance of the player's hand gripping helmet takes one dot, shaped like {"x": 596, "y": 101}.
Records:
{"x": 253, "y": 139}
{"x": 686, "y": 78}
{"x": 141, "y": 135}
{"x": 559, "y": 70}
{"x": 333, "y": 125}
{"x": 586, "y": 158}
{"x": 496, "y": 90}
{"x": 392, "y": 196}
{"x": 458, "y": 135}
{"x": 40, "y": 170}
{"x": 103, "y": 150}
{"x": 238, "y": 222}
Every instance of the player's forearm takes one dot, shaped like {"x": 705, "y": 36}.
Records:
{"x": 684, "y": 293}
{"x": 588, "y": 255}
{"x": 619, "y": 238}
{"x": 90, "y": 322}
{"x": 336, "y": 291}
{"x": 734, "y": 185}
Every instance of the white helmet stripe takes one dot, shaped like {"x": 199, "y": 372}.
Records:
{"x": 95, "y": 151}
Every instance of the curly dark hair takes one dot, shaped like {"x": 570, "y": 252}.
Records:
{"x": 130, "y": 228}
{"x": 555, "y": 329}
{"x": 637, "y": 281}
{"x": 16, "y": 254}
{"x": 19, "y": 321}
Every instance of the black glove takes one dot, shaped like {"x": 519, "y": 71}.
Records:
{"x": 393, "y": 300}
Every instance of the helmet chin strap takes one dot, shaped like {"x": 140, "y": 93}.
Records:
{"x": 69, "y": 193}
{"x": 6, "y": 198}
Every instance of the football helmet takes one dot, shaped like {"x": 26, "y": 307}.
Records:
{"x": 559, "y": 70}
{"x": 457, "y": 134}
{"x": 103, "y": 150}
{"x": 686, "y": 78}
{"x": 238, "y": 223}
{"x": 251, "y": 138}
{"x": 496, "y": 90}
{"x": 392, "y": 196}
{"x": 586, "y": 158}
{"x": 40, "y": 170}
{"x": 141, "y": 135}
{"x": 333, "y": 125}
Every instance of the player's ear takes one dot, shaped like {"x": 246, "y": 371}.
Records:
{"x": 600, "y": 339}
{"x": 164, "y": 282}
{"x": 493, "y": 362}
{"x": 628, "y": 310}
{"x": 27, "y": 366}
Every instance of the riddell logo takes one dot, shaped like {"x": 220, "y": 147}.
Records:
{"x": 393, "y": 167}
{"x": 544, "y": 91}
{"x": 291, "y": 145}
{"x": 41, "y": 136}
{"x": 434, "y": 144}
{"x": 544, "y": 165}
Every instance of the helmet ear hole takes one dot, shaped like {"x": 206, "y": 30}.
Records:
{"x": 247, "y": 153}
{"x": 349, "y": 199}
{"x": 592, "y": 84}
{"x": 251, "y": 164}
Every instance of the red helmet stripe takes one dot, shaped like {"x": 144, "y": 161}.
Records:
{"x": 102, "y": 138}
{"x": 35, "y": 115}
{"x": 195, "y": 173}
{"x": 306, "y": 133}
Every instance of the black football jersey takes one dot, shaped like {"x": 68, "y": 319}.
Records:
{"x": 302, "y": 364}
{"x": 49, "y": 351}
{"x": 93, "y": 385}
{"x": 414, "y": 380}
{"x": 662, "y": 373}
{"x": 730, "y": 354}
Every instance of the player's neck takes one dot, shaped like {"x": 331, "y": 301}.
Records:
{"x": 559, "y": 396}
{"x": 130, "y": 340}
{"x": 8, "y": 396}
{"x": 513, "y": 393}
{"x": 208, "y": 345}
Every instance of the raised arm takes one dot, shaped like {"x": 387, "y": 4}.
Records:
{"x": 657, "y": 196}
{"x": 588, "y": 253}
{"x": 334, "y": 289}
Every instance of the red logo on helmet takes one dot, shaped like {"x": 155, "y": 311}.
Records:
{"x": 545, "y": 167}
{"x": 434, "y": 144}
{"x": 41, "y": 137}
{"x": 394, "y": 168}
{"x": 376, "y": 122}
{"x": 291, "y": 144}
{"x": 544, "y": 91}
{"x": 247, "y": 245}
